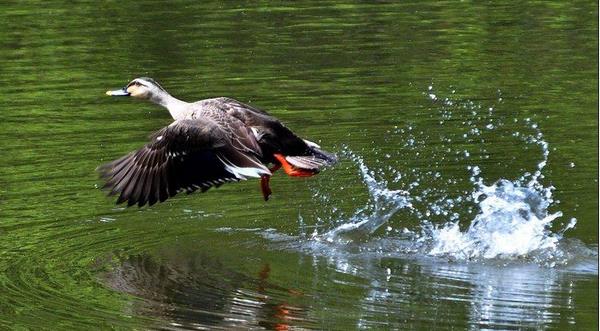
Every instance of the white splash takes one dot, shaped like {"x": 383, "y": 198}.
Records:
{"x": 384, "y": 204}
{"x": 509, "y": 219}
{"x": 513, "y": 221}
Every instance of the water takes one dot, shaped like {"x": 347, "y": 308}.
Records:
{"x": 466, "y": 196}
{"x": 512, "y": 220}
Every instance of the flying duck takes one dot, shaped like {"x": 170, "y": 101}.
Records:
{"x": 209, "y": 143}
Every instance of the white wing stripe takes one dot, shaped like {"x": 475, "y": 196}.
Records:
{"x": 243, "y": 172}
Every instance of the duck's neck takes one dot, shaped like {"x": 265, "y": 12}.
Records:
{"x": 177, "y": 108}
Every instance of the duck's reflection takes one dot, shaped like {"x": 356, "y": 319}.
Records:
{"x": 349, "y": 289}
{"x": 199, "y": 292}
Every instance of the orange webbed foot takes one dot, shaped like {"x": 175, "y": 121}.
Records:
{"x": 290, "y": 169}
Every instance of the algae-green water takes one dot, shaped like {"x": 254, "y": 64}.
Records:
{"x": 466, "y": 196}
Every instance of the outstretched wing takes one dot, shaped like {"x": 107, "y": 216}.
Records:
{"x": 187, "y": 155}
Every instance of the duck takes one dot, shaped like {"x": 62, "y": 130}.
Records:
{"x": 210, "y": 142}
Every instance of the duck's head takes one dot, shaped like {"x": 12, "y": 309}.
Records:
{"x": 141, "y": 88}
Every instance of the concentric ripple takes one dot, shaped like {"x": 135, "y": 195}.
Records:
{"x": 402, "y": 234}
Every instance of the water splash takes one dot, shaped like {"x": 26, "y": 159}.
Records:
{"x": 513, "y": 221}
{"x": 384, "y": 203}
{"x": 427, "y": 214}
{"x": 507, "y": 219}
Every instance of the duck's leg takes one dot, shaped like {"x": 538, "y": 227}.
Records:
{"x": 264, "y": 186}
{"x": 264, "y": 182}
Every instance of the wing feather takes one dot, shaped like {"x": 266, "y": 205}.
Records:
{"x": 187, "y": 155}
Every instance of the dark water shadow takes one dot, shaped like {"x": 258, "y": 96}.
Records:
{"x": 201, "y": 292}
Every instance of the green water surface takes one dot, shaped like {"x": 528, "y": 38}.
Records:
{"x": 350, "y": 75}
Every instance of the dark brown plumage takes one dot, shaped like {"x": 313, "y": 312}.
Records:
{"x": 211, "y": 142}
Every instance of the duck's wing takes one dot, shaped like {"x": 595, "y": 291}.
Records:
{"x": 187, "y": 155}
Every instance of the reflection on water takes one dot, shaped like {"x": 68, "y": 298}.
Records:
{"x": 493, "y": 296}
{"x": 389, "y": 290}
{"x": 412, "y": 93}
{"x": 192, "y": 292}
{"x": 404, "y": 288}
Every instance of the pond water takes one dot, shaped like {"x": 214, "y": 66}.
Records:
{"x": 466, "y": 195}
